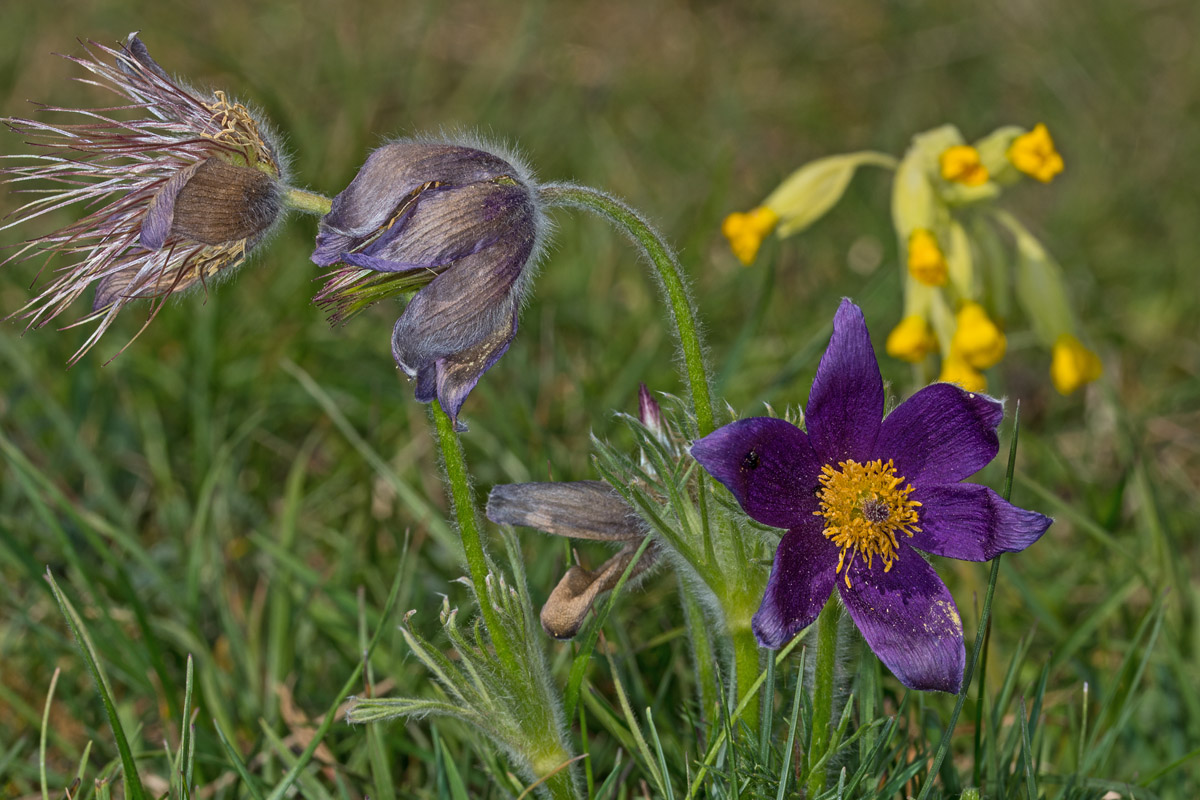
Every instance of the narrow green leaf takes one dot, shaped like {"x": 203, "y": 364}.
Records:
{"x": 46, "y": 727}
{"x": 785, "y": 773}
{"x": 330, "y": 715}
{"x": 454, "y": 781}
{"x": 239, "y": 767}
{"x": 133, "y": 782}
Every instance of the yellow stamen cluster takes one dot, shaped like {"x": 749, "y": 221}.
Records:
{"x": 1034, "y": 154}
{"x": 961, "y": 164}
{"x": 237, "y": 128}
{"x": 746, "y": 232}
{"x": 926, "y": 263}
{"x": 865, "y": 506}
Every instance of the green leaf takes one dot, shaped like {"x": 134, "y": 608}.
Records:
{"x": 133, "y": 783}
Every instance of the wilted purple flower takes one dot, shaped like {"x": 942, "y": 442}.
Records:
{"x": 181, "y": 193}
{"x": 465, "y": 218}
{"x": 857, "y": 495}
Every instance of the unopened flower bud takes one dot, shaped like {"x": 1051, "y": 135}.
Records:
{"x": 649, "y": 412}
{"x": 468, "y": 217}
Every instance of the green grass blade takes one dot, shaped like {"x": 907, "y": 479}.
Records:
{"x": 450, "y": 775}
{"x": 1027, "y": 752}
{"x": 785, "y": 773}
{"x": 45, "y": 727}
{"x": 133, "y": 782}
{"x": 247, "y": 779}
{"x": 319, "y": 736}
{"x": 664, "y": 769}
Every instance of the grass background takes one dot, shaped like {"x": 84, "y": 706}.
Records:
{"x": 242, "y": 480}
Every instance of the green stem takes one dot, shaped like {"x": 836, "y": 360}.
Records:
{"x": 703, "y": 651}
{"x": 468, "y": 529}
{"x": 308, "y": 202}
{"x": 746, "y": 665}
{"x": 826, "y": 661}
{"x": 667, "y": 265}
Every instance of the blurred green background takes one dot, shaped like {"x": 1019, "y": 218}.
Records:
{"x": 225, "y": 486}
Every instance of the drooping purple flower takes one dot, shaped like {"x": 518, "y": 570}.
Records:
{"x": 859, "y": 493}
{"x": 178, "y": 195}
{"x": 464, "y": 217}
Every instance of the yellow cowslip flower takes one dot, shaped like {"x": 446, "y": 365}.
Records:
{"x": 911, "y": 340}
{"x": 926, "y": 262}
{"x": 961, "y": 164}
{"x": 977, "y": 340}
{"x": 803, "y": 198}
{"x": 955, "y": 369}
{"x": 1073, "y": 365}
{"x": 1033, "y": 153}
{"x": 746, "y": 231}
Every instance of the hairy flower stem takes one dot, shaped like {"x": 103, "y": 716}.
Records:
{"x": 746, "y": 663}
{"x": 703, "y": 651}
{"x": 308, "y": 202}
{"x": 826, "y": 661}
{"x": 468, "y": 529}
{"x": 666, "y": 264}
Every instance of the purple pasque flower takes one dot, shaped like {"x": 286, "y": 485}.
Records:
{"x": 465, "y": 218}
{"x": 859, "y": 494}
{"x": 178, "y": 195}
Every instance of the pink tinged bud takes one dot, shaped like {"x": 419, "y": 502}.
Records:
{"x": 649, "y": 412}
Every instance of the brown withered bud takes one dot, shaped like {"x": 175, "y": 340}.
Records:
{"x": 579, "y": 510}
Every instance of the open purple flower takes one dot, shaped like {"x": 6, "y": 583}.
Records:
{"x": 464, "y": 220}
{"x": 858, "y": 492}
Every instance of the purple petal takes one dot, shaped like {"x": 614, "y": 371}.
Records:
{"x": 160, "y": 214}
{"x": 375, "y": 263}
{"x": 458, "y": 374}
{"x": 769, "y": 466}
{"x": 426, "y": 389}
{"x": 909, "y": 619}
{"x": 941, "y": 434}
{"x": 846, "y": 403}
{"x": 971, "y": 522}
{"x": 332, "y": 246}
{"x": 461, "y": 308}
{"x": 802, "y": 578}
{"x": 398, "y": 169}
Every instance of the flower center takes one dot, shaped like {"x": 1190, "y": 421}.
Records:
{"x": 865, "y": 506}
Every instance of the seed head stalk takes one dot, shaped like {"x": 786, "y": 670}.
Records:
{"x": 307, "y": 202}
